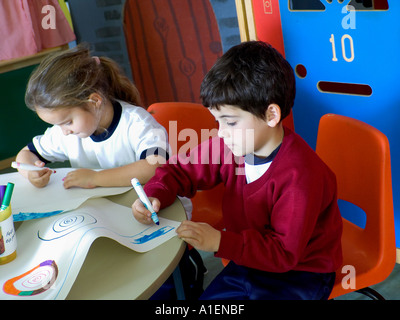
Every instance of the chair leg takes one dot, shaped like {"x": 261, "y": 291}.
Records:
{"x": 180, "y": 291}
{"x": 371, "y": 293}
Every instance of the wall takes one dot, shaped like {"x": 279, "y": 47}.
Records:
{"x": 19, "y": 123}
{"x": 103, "y": 28}
{"x": 225, "y": 12}
{"x": 98, "y": 22}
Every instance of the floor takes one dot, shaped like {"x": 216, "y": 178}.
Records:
{"x": 389, "y": 288}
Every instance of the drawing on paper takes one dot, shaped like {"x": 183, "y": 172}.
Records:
{"x": 147, "y": 237}
{"x": 29, "y": 202}
{"x": 22, "y": 216}
{"x": 67, "y": 239}
{"x": 35, "y": 281}
{"x": 65, "y": 225}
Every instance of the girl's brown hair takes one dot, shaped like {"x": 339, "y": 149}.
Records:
{"x": 68, "y": 78}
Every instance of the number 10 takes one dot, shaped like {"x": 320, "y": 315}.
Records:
{"x": 344, "y": 53}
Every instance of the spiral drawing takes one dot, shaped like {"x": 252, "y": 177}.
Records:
{"x": 66, "y": 224}
{"x": 35, "y": 281}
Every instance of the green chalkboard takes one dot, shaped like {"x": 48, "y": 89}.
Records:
{"x": 18, "y": 123}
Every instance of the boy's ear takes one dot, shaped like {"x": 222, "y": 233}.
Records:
{"x": 273, "y": 115}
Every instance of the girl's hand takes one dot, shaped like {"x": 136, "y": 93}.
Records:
{"x": 200, "y": 235}
{"x": 83, "y": 178}
{"x": 140, "y": 212}
{"x": 40, "y": 178}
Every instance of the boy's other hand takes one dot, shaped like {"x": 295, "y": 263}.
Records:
{"x": 200, "y": 235}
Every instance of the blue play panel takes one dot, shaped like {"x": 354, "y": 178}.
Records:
{"x": 346, "y": 62}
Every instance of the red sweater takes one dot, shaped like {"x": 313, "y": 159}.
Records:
{"x": 288, "y": 219}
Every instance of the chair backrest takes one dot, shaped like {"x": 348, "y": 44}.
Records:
{"x": 359, "y": 155}
{"x": 188, "y": 124}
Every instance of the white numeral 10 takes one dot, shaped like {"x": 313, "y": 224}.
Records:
{"x": 344, "y": 52}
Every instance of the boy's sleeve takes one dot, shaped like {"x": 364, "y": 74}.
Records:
{"x": 183, "y": 174}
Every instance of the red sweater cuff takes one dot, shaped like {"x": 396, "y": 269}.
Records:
{"x": 157, "y": 190}
{"x": 231, "y": 246}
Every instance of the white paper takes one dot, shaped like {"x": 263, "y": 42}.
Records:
{"x": 51, "y": 251}
{"x": 29, "y": 202}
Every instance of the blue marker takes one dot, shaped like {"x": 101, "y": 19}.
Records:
{"x": 146, "y": 202}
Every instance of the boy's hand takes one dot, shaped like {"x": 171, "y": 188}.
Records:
{"x": 83, "y": 178}
{"x": 140, "y": 212}
{"x": 40, "y": 178}
{"x": 200, "y": 235}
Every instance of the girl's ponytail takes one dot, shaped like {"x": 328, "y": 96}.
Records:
{"x": 120, "y": 87}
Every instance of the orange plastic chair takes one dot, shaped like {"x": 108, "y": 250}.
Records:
{"x": 359, "y": 155}
{"x": 176, "y": 117}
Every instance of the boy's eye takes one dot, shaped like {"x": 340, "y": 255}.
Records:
{"x": 231, "y": 124}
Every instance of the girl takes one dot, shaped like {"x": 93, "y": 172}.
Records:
{"x": 96, "y": 123}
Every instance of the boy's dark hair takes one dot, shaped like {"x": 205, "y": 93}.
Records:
{"x": 251, "y": 76}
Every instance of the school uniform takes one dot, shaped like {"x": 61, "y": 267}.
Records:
{"x": 132, "y": 135}
{"x": 283, "y": 225}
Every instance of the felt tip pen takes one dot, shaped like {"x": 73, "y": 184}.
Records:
{"x": 2, "y": 192}
{"x": 7, "y": 196}
{"x": 28, "y": 167}
{"x": 143, "y": 197}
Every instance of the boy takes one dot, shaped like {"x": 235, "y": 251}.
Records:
{"x": 283, "y": 225}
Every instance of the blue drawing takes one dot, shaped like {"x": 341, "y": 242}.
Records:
{"x": 22, "y": 216}
{"x": 151, "y": 236}
{"x": 65, "y": 225}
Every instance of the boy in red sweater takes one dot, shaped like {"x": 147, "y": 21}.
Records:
{"x": 283, "y": 225}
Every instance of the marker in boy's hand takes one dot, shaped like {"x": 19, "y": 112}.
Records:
{"x": 144, "y": 199}
{"x": 140, "y": 212}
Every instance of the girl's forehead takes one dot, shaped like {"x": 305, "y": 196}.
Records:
{"x": 54, "y": 116}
